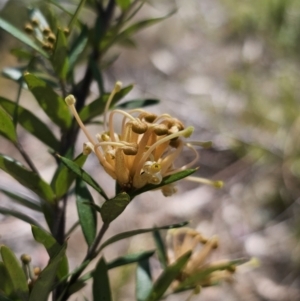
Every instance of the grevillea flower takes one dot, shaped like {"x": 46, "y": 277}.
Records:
{"x": 183, "y": 240}
{"x": 144, "y": 151}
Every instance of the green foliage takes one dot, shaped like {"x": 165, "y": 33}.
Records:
{"x": 101, "y": 286}
{"x": 27, "y": 178}
{"x": 59, "y": 38}
{"x": 86, "y": 213}
{"x": 53, "y": 248}
{"x": 15, "y": 274}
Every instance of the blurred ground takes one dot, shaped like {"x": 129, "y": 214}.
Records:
{"x": 185, "y": 61}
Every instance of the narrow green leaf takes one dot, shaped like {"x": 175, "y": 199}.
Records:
{"x": 124, "y": 260}
{"x": 78, "y": 47}
{"x": 128, "y": 32}
{"x": 31, "y": 123}
{"x": 161, "y": 249}
{"x": 45, "y": 281}
{"x": 128, "y": 234}
{"x": 83, "y": 175}
{"x": 7, "y": 128}
{"x": 101, "y": 286}
{"x": 59, "y": 58}
{"x": 138, "y": 103}
{"x": 97, "y": 76}
{"x": 143, "y": 280}
{"x": 62, "y": 8}
{"x": 97, "y": 107}
{"x": 64, "y": 177}
{"x": 112, "y": 208}
{"x": 166, "y": 180}
{"x": 15, "y": 272}
{"x": 53, "y": 105}
{"x": 52, "y": 247}
{"x": 202, "y": 275}
{"x": 124, "y": 4}
{"x": 22, "y": 199}
{"x": 20, "y": 35}
{"x": 75, "y": 16}
{"x": 27, "y": 178}
{"x": 167, "y": 277}
{"x": 129, "y": 258}
{"x": 23, "y": 217}
{"x": 6, "y": 284}
{"x": 87, "y": 215}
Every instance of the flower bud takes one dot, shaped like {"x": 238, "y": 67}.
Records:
{"x": 139, "y": 127}
{"x": 160, "y": 130}
{"x": 46, "y": 31}
{"x": 25, "y": 258}
{"x": 70, "y": 100}
{"x": 130, "y": 150}
{"x": 35, "y": 22}
{"x": 51, "y": 37}
{"x": 66, "y": 31}
{"x": 28, "y": 28}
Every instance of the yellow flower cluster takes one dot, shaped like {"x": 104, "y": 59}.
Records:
{"x": 145, "y": 149}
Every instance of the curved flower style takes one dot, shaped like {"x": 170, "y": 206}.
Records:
{"x": 144, "y": 151}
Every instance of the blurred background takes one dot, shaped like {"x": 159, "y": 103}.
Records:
{"x": 230, "y": 68}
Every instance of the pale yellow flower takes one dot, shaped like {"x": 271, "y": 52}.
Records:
{"x": 183, "y": 240}
{"x": 144, "y": 151}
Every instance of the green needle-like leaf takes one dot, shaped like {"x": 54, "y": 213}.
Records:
{"x": 167, "y": 277}
{"x": 161, "y": 250}
{"x": 137, "y": 103}
{"x": 60, "y": 59}
{"x": 43, "y": 286}
{"x": 31, "y": 123}
{"x": 52, "y": 247}
{"x": 6, "y": 284}
{"x": 27, "y": 178}
{"x": 7, "y": 128}
{"x": 83, "y": 175}
{"x": 21, "y": 216}
{"x": 15, "y": 273}
{"x": 53, "y": 105}
{"x": 87, "y": 215}
{"x": 128, "y": 259}
{"x": 101, "y": 286}
{"x": 143, "y": 280}
{"x": 64, "y": 177}
{"x": 17, "y": 33}
{"x": 78, "y": 47}
{"x": 75, "y": 16}
{"x": 166, "y": 180}
{"x": 112, "y": 208}
{"x": 128, "y": 234}
{"x": 97, "y": 107}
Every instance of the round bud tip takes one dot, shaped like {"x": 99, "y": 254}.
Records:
{"x": 218, "y": 184}
{"x": 70, "y": 100}
{"x": 25, "y": 258}
{"x": 118, "y": 86}
{"x": 188, "y": 131}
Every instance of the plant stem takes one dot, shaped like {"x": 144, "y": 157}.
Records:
{"x": 91, "y": 254}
